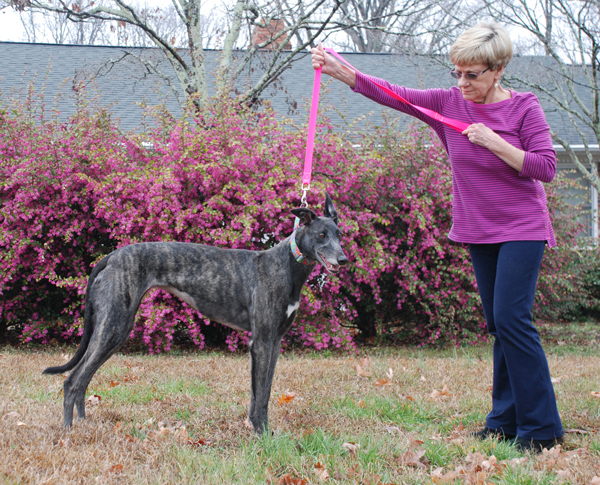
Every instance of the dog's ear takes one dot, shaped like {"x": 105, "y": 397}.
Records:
{"x": 305, "y": 215}
{"x": 330, "y": 209}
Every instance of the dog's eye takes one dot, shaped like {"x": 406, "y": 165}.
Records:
{"x": 322, "y": 234}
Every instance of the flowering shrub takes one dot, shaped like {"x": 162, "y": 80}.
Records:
{"x": 72, "y": 192}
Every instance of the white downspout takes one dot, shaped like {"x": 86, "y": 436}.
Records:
{"x": 594, "y": 214}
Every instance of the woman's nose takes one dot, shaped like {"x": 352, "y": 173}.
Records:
{"x": 462, "y": 81}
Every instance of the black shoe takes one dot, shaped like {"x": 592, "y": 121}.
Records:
{"x": 492, "y": 433}
{"x": 536, "y": 446}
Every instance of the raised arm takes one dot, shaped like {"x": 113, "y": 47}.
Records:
{"x": 332, "y": 67}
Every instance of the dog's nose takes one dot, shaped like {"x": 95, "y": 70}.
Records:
{"x": 342, "y": 260}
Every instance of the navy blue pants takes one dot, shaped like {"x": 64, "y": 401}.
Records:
{"x": 523, "y": 401}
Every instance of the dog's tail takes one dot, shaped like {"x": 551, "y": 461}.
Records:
{"x": 88, "y": 327}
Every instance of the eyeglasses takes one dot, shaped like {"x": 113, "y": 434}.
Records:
{"x": 469, "y": 76}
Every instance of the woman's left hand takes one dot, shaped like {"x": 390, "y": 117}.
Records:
{"x": 481, "y": 135}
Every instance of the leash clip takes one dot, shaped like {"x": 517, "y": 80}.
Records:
{"x": 303, "y": 201}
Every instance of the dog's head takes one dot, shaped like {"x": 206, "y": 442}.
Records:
{"x": 319, "y": 237}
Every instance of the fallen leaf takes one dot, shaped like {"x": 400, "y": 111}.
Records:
{"x": 114, "y": 384}
{"x": 423, "y": 378}
{"x": 389, "y": 374}
{"x": 285, "y": 398}
{"x": 116, "y": 468}
{"x": 361, "y": 404}
{"x": 352, "y": 448}
{"x": 361, "y": 372}
{"x": 289, "y": 480}
{"x": 558, "y": 380}
{"x": 21, "y": 423}
{"x": 576, "y": 431}
{"x": 94, "y": 400}
{"x": 321, "y": 471}
{"x": 595, "y": 394}
{"x": 199, "y": 442}
{"x": 65, "y": 443}
{"x": 382, "y": 382}
{"x": 564, "y": 474}
{"x": 182, "y": 435}
{"x": 444, "y": 393}
{"x": 413, "y": 458}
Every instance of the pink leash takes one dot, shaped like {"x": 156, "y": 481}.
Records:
{"x": 457, "y": 125}
{"x": 310, "y": 142}
{"x": 312, "y": 123}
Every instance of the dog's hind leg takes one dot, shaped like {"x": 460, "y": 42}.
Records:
{"x": 264, "y": 351}
{"x": 108, "y": 337}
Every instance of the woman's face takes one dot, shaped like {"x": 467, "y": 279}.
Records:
{"x": 480, "y": 90}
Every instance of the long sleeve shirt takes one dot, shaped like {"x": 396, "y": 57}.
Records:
{"x": 492, "y": 202}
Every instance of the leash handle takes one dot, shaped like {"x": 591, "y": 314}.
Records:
{"x": 457, "y": 125}
{"x": 312, "y": 127}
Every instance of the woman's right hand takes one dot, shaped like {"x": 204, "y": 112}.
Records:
{"x": 323, "y": 60}
{"x": 330, "y": 66}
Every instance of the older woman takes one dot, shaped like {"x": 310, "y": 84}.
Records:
{"x": 499, "y": 209}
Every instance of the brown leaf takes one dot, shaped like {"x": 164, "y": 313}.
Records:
{"x": 116, "y": 468}
{"x": 382, "y": 382}
{"x": 321, "y": 471}
{"x": 285, "y": 398}
{"x": 352, "y": 448}
{"x": 361, "y": 372}
{"x": 182, "y": 435}
{"x": 595, "y": 394}
{"x": 94, "y": 400}
{"x": 64, "y": 443}
{"x": 413, "y": 458}
{"x": 444, "y": 393}
{"x": 114, "y": 384}
{"x": 199, "y": 442}
{"x": 289, "y": 480}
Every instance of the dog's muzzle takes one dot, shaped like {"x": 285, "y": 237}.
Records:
{"x": 332, "y": 268}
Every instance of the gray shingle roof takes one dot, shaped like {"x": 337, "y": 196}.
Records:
{"x": 59, "y": 68}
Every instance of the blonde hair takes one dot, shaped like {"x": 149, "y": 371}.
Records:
{"x": 486, "y": 43}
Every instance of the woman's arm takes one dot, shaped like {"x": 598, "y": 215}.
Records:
{"x": 481, "y": 135}
{"x": 537, "y": 160}
{"x": 330, "y": 66}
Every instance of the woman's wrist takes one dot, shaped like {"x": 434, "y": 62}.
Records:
{"x": 345, "y": 74}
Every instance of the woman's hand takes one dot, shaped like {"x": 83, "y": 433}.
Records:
{"x": 330, "y": 66}
{"x": 481, "y": 135}
{"x": 323, "y": 60}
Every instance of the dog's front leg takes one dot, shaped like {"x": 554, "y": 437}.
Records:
{"x": 264, "y": 351}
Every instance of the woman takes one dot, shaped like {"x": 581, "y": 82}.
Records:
{"x": 499, "y": 209}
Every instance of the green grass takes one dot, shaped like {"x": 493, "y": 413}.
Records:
{"x": 208, "y": 394}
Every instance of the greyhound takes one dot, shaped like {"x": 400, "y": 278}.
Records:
{"x": 254, "y": 291}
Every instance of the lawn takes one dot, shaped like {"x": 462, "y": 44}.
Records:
{"x": 382, "y": 416}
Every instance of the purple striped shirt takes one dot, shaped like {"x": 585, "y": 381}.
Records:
{"x": 492, "y": 202}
